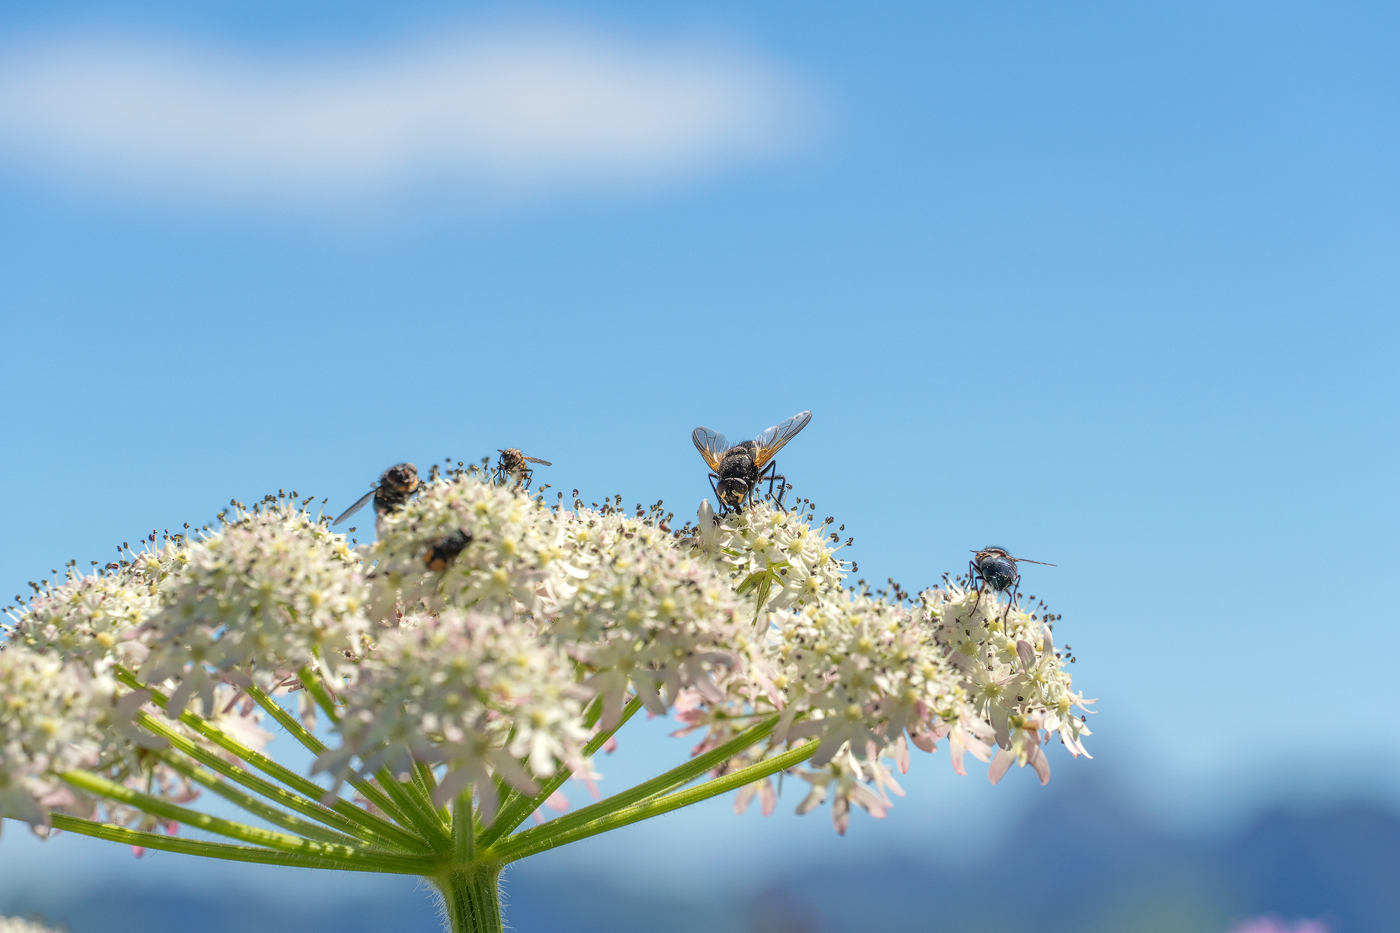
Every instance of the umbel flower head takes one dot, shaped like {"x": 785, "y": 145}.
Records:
{"x": 1015, "y": 679}
{"x": 91, "y": 618}
{"x": 478, "y": 692}
{"x": 775, "y": 557}
{"x": 17, "y": 925}
{"x": 647, "y": 617}
{"x": 52, "y": 718}
{"x": 471, "y": 638}
{"x": 511, "y": 557}
{"x": 270, "y": 591}
{"x": 867, "y": 677}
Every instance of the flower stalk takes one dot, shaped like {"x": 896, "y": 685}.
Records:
{"x": 471, "y": 897}
{"x": 524, "y": 845}
{"x": 261, "y": 855}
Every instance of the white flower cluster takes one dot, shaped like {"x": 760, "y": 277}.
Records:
{"x": 1015, "y": 679}
{"x": 476, "y": 691}
{"x": 864, "y": 678}
{"x": 867, "y": 677}
{"x": 92, "y": 617}
{"x": 472, "y": 634}
{"x": 270, "y": 591}
{"x": 774, "y": 556}
{"x": 510, "y": 615}
{"x": 63, "y": 649}
{"x": 646, "y": 616}
{"x": 468, "y": 544}
{"x": 16, "y": 925}
{"x": 52, "y": 718}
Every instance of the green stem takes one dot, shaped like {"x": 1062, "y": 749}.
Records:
{"x": 471, "y": 897}
{"x": 255, "y": 806}
{"x": 427, "y": 783}
{"x": 420, "y": 816}
{"x": 519, "y": 847}
{"x": 421, "y": 788}
{"x": 682, "y": 774}
{"x": 258, "y": 760}
{"x": 417, "y": 813}
{"x": 155, "y": 806}
{"x": 519, "y": 808}
{"x": 392, "y": 864}
{"x": 463, "y": 837}
{"x": 344, "y": 816}
{"x": 314, "y": 745}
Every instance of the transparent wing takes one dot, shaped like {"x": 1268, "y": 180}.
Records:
{"x": 538, "y": 460}
{"x": 357, "y": 506}
{"x": 711, "y": 445}
{"x": 771, "y": 441}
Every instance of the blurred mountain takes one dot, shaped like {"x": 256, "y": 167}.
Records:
{"x": 1082, "y": 862}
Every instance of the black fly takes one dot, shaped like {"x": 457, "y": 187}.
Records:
{"x": 740, "y": 468}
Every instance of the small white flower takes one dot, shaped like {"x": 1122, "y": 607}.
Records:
{"x": 775, "y": 557}
{"x": 16, "y": 925}
{"x": 451, "y": 690}
{"x": 269, "y": 592}
{"x": 511, "y": 559}
{"x": 52, "y": 718}
{"x": 93, "y": 617}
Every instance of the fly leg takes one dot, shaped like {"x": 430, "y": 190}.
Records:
{"x": 1011, "y": 599}
{"x": 770, "y": 473}
{"x": 782, "y": 487}
{"x": 973, "y": 574}
{"x": 722, "y": 508}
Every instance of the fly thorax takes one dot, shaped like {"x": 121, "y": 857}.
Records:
{"x": 998, "y": 572}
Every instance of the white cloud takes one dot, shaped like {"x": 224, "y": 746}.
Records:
{"x": 505, "y": 111}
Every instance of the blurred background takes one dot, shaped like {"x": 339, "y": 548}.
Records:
{"x": 1113, "y": 286}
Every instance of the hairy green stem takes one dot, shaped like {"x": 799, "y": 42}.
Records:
{"x": 427, "y": 783}
{"x": 471, "y": 897}
{"x": 420, "y": 815}
{"x": 383, "y": 864}
{"x": 463, "y": 828}
{"x": 519, "y": 847}
{"x": 254, "y": 805}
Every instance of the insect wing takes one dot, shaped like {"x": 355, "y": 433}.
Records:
{"x": 539, "y": 461}
{"x": 357, "y": 506}
{"x": 711, "y": 445}
{"x": 771, "y": 441}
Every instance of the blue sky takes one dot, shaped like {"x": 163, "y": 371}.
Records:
{"x": 1112, "y": 286}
